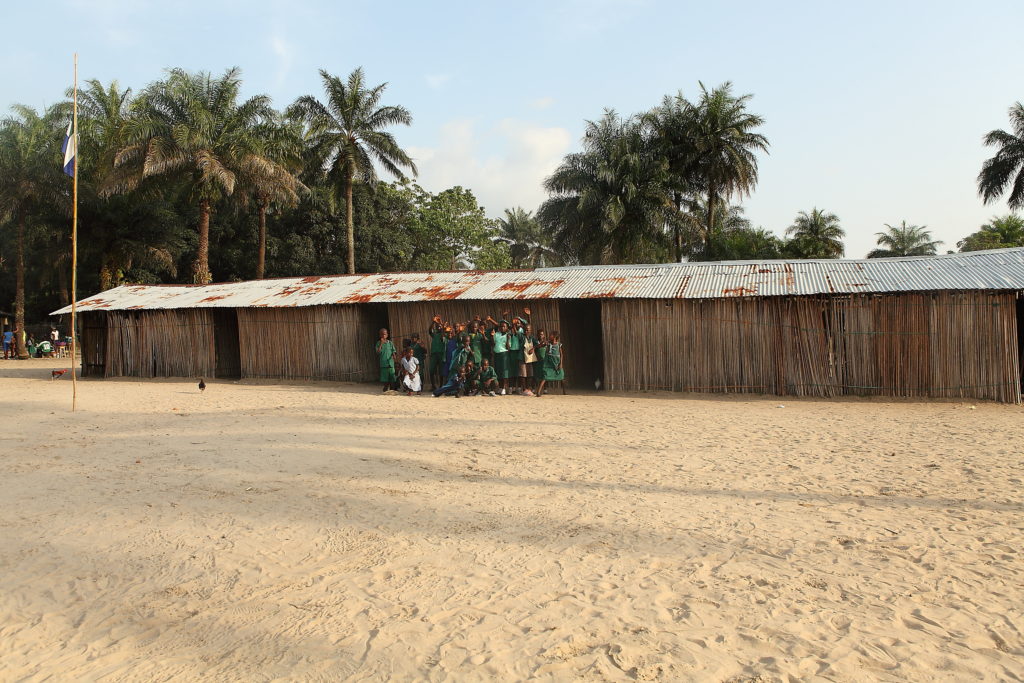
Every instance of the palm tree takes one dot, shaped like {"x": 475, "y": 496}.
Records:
{"x": 275, "y": 178}
{"x": 608, "y": 203}
{"x": 904, "y": 240}
{"x": 191, "y": 126}
{"x": 529, "y": 245}
{"x": 1006, "y": 168}
{"x": 31, "y": 183}
{"x": 999, "y": 233}
{"x": 671, "y": 126}
{"x": 721, "y": 132}
{"x": 817, "y": 235}
{"x": 347, "y": 135}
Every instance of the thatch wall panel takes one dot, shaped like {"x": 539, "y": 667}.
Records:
{"x": 941, "y": 344}
{"x": 717, "y": 345}
{"x": 311, "y": 342}
{"x": 171, "y": 343}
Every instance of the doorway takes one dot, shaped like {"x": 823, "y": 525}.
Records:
{"x": 225, "y": 340}
{"x": 580, "y": 328}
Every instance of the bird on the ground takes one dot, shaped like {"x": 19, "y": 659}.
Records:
{"x": 202, "y": 384}
{"x": 57, "y": 373}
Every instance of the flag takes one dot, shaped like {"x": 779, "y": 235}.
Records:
{"x": 70, "y": 149}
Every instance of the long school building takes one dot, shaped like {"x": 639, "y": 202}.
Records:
{"x": 938, "y": 326}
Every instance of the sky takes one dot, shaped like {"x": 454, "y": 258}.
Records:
{"x": 875, "y": 111}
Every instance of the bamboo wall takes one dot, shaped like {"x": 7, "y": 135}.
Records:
{"x": 172, "y": 343}
{"x": 940, "y": 344}
{"x": 309, "y": 342}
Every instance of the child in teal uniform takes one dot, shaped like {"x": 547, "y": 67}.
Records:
{"x": 464, "y": 354}
{"x": 488, "y": 379}
{"x": 499, "y": 338}
{"x": 540, "y": 349}
{"x": 476, "y": 342}
{"x": 472, "y": 378}
{"x": 386, "y": 355}
{"x": 515, "y": 352}
{"x": 553, "y": 360}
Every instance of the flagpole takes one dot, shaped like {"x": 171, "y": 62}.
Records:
{"x": 74, "y": 251}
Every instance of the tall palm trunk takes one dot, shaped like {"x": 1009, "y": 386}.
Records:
{"x": 711, "y": 222}
{"x": 349, "y": 224}
{"x": 261, "y": 254}
{"x": 201, "y": 268}
{"x": 677, "y": 238}
{"x": 19, "y": 291}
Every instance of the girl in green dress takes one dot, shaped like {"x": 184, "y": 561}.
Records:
{"x": 476, "y": 341}
{"x": 553, "y": 359}
{"x": 386, "y": 355}
{"x": 540, "y": 349}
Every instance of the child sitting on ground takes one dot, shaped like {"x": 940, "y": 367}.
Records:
{"x": 488, "y": 379}
{"x": 411, "y": 379}
{"x": 472, "y": 378}
{"x": 454, "y": 385}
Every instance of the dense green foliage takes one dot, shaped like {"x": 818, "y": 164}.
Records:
{"x": 185, "y": 182}
{"x": 904, "y": 240}
{"x": 999, "y": 233}
{"x": 1005, "y": 170}
{"x": 816, "y": 235}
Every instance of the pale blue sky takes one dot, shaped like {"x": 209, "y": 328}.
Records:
{"x": 875, "y": 110}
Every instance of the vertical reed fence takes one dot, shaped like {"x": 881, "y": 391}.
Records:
{"x": 940, "y": 344}
{"x": 308, "y": 342}
{"x": 171, "y": 343}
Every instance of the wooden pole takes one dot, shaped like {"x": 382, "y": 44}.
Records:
{"x": 74, "y": 250}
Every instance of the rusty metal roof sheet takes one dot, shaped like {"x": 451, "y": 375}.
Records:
{"x": 999, "y": 269}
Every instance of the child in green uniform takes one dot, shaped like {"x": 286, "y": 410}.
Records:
{"x": 553, "y": 371}
{"x": 472, "y": 378}
{"x": 419, "y": 352}
{"x": 488, "y": 379}
{"x": 464, "y": 354}
{"x": 386, "y": 354}
{"x": 437, "y": 342}
{"x": 515, "y": 353}
{"x": 476, "y": 342}
{"x": 540, "y": 349}
{"x": 499, "y": 338}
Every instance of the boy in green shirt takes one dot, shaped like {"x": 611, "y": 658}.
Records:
{"x": 386, "y": 354}
{"x": 472, "y": 378}
{"x": 488, "y": 379}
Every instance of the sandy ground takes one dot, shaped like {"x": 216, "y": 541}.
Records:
{"x": 324, "y": 532}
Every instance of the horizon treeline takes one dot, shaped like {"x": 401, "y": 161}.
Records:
{"x": 185, "y": 182}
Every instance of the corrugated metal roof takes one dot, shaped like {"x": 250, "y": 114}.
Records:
{"x": 999, "y": 269}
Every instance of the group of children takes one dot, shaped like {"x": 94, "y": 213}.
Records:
{"x": 485, "y": 357}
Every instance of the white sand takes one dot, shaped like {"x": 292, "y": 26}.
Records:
{"x": 320, "y": 532}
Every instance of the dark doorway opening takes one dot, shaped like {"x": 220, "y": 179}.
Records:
{"x": 580, "y": 327}
{"x": 1020, "y": 340}
{"x": 225, "y": 339}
